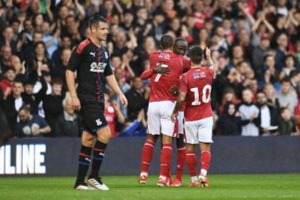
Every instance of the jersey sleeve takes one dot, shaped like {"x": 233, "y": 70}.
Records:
{"x": 74, "y": 61}
{"x": 183, "y": 87}
{"x": 108, "y": 69}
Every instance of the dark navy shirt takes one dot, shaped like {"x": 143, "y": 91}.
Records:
{"x": 92, "y": 66}
{"x": 24, "y": 129}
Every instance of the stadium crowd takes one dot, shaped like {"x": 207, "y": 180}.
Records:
{"x": 255, "y": 45}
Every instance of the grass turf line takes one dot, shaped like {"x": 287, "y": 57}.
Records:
{"x": 262, "y": 186}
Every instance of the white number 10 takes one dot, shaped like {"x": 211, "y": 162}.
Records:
{"x": 206, "y": 91}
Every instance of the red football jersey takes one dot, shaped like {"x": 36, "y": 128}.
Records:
{"x": 197, "y": 84}
{"x": 162, "y": 83}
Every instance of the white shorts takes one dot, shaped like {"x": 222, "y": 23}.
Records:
{"x": 199, "y": 131}
{"x": 159, "y": 118}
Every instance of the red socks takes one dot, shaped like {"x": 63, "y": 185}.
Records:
{"x": 205, "y": 161}
{"x": 165, "y": 159}
{"x": 147, "y": 155}
{"x": 180, "y": 162}
{"x": 191, "y": 161}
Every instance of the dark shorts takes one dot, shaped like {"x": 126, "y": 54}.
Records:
{"x": 92, "y": 118}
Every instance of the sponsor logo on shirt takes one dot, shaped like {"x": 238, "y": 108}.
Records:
{"x": 100, "y": 67}
{"x": 202, "y": 74}
{"x": 164, "y": 55}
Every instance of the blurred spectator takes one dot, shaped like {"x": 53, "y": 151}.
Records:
{"x": 287, "y": 96}
{"x": 52, "y": 103}
{"x": 249, "y": 114}
{"x": 65, "y": 43}
{"x": 285, "y": 122}
{"x": 67, "y": 124}
{"x": 112, "y": 115}
{"x": 9, "y": 39}
{"x": 5, "y": 56}
{"x": 288, "y": 67}
{"x": 137, "y": 98}
{"x": 137, "y": 127}
{"x": 7, "y": 82}
{"x": 12, "y": 101}
{"x": 30, "y": 125}
{"x": 268, "y": 116}
{"x": 40, "y": 60}
{"x": 60, "y": 68}
{"x": 229, "y": 122}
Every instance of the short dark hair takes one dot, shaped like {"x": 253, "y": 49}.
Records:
{"x": 285, "y": 80}
{"x": 195, "y": 53}
{"x": 94, "y": 21}
{"x": 25, "y": 107}
{"x": 166, "y": 41}
{"x": 57, "y": 80}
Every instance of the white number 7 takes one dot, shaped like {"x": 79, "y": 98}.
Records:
{"x": 157, "y": 77}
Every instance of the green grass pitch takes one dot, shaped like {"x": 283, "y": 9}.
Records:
{"x": 271, "y": 186}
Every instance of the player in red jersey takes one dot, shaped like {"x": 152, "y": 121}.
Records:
{"x": 195, "y": 89}
{"x": 180, "y": 47}
{"x": 165, "y": 70}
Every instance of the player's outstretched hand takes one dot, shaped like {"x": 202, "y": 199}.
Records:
{"x": 161, "y": 68}
{"x": 174, "y": 117}
{"x": 123, "y": 99}
{"x": 76, "y": 103}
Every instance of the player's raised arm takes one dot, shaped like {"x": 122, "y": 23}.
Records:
{"x": 112, "y": 82}
{"x": 209, "y": 59}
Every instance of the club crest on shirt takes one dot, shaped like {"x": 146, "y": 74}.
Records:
{"x": 100, "y": 67}
{"x": 196, "y": 75}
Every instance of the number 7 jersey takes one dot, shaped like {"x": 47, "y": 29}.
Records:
{"x": 197, "y": 84}
{"x": 162, "y": 83}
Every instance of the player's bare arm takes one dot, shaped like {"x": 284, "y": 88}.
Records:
{"x": 180, "y": 99}
{"x": 112, "y": 82}
{"x": 209, "y": 59}
{"x": 70, "y": 79}
{"x": 160, "y": 68}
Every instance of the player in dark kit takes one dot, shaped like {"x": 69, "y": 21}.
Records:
{"x": 90, "y": 60}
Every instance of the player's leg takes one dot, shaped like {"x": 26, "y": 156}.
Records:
{"x": 95, "y": 122}
{"x": 191, "y": 130}
{"x": 152, "y": 136}
{"x": 205, "y": 159}
{"x": 87, "y": 142}
{"x": 191, "y": 161}
{"x": 103, "y": 137}
{"x": 205, "y": 139}
{"x": 165, "y": 160}
{"x": 167, "y": 130}
{"x": 181, "y": 152}
{"x": 147, "y": 155}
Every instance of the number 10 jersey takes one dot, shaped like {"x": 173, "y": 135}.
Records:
{"x": 197, "y": 84}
